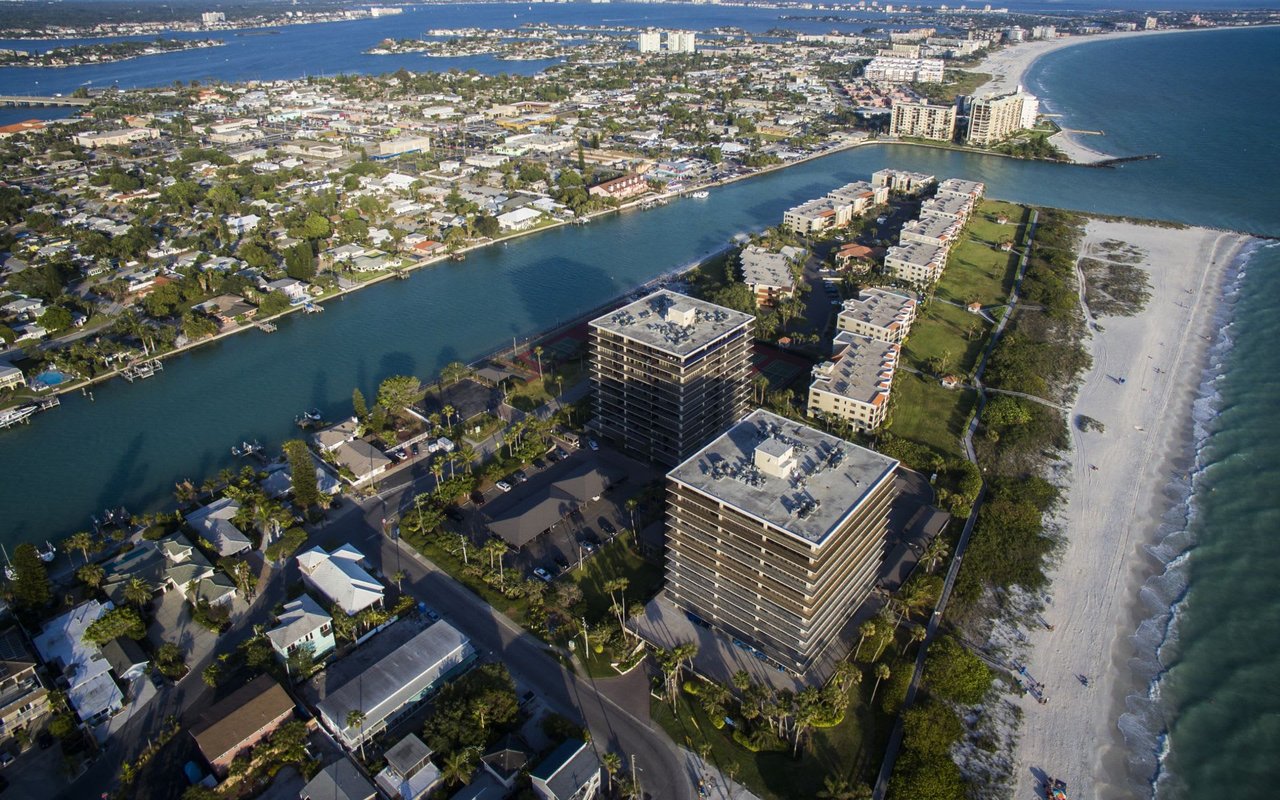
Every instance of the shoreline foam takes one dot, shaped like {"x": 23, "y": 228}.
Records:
{"x": 1113, "y": 516}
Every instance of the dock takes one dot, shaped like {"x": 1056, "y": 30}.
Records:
{"x": 312, "y": 308}
{"x": 267, "y": 327}
{"x": 23, "y": 413}
{"x": 142, "y": 369}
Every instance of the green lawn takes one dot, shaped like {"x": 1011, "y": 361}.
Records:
{"x": 977, "y": 269}
{"x": 948, "y": 333}
{"x": 850, "y": 750}
{"x": 616, "y": 560}
{"x": 930, "y": 415}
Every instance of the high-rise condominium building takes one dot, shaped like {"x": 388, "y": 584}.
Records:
{"x": 924, "y": 121}
{"x": 649, "y": 41}
{"x": 992, "y": 119}
{"x": 670, "y": 372}
{"x": 776, "y": 532}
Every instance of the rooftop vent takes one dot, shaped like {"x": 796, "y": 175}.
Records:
{"x": 775, "y": 457}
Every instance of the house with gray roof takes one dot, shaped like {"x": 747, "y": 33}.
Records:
{"x": 303, "y": 623}
{"x": 570, "y": 772}
{"x": 341, "y": 780}
{"x": 214, "y": 524}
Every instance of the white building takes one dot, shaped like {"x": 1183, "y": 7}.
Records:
{"x": 681, "y": 42}
{"x": 91, "y": 690}
{"x": 649, "y": 41}
{"x": 854, "y": 386}
{"x": 340, "y": 578}
{"x": 892, "y": 69}
{"x": 878, "y": 314}
{"x": 213, "y": 17}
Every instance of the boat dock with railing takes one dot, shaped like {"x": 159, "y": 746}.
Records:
{"x": 23, "y": 413}
{"x": 142, "y": 369}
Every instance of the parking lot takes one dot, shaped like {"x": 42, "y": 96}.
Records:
{"x": 578, "y": 532}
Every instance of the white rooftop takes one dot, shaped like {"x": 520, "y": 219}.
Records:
{"x": 815, "y": 481}
{"x": 92, "y": 690}
{"x": 672, "y": 322}
{"x": 340, "y": 578}
{"x": 300, "y": 617}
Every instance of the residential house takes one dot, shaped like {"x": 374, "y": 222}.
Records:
{"x": 395, "y": 685}
{"x": 340, "y": 578}
{"x": 11, "y": 377}
{"x": 242, "y": 224}
{"x": 79, "y": 664}
{"x": 170, "y": 563}
{"x": 330, "y": 438}
{"x": 570, "y": 772}
{"x": 504, "y": 761}
{"x": 361, "y": 460}
{"x": 341, "y": 780}
{"x": 409, "y": 773}
{"x": 292, "y": 288}
{"x": 126, "y": 659}
{"x": 213, "y": 523}
{"x": 24, "y": 701}
{"x": 519, "y": 219}
{"x": 855, "y": 258}
{"x": 303, "y": 624}
{"x": 240, "y": 720}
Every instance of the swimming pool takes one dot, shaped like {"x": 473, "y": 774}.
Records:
{"x": 52, "y": 377}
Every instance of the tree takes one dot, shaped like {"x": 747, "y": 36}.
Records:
{"x": 355, "y": 719}
{"x": 358, "y": 405}
{"x": 137, "y": 592}
{"x": 91, "y": 575}
{"x": 273, "y": 303}
{"x": 31, "y": 586}
{"x": 537, "y": 353}
{"x": 935, "y": 551}
{"x": 398, "y": 392}
{"x": 55, "y": 319}
{"x": 882, "y": 674}
{"x": 300, "y": 262}
{"x": 487, "y": 226}
{"x": 211, "y": 675}
{"x": 865, "y": 631}
{"x": 915, "y": 635}
{"x": 952, "y": 672}
{"x": 302, "y": 469}
{"x": 457, "y": 767}
{"x": 612, "y": 763}
{"x": 81, "y": 541}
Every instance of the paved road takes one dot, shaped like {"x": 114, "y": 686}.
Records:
{"x": 530, "y": 660}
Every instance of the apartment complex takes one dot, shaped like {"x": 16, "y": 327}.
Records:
{"x": 854, "y": 385}
{"x": 768, "y": 275}
{"x": 24, "y": 701}
{"x": 669, "y": 373}
{"x": 900, "y": 180}
{"x": 817, "y": 215}
{"x": 652, "y": 41}
{"x": 994, "y": 119}
{"x": 879, "y": 314}
{"x": 776, "y": 532}
{"x": 916, "y": 262}
{"x": 923, "y": 121}
{"x": 892, "y": 69}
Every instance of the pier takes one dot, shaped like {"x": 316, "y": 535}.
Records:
{"x": 36, "y": 100}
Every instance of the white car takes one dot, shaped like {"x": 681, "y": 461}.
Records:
{"x": 594, "y": 444}
{"x": 542, "y": 574}
{"x": 503, "y": 485}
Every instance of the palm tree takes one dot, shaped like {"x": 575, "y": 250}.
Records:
{"x": 537, "y": 353}
{"x": 741, "y": 680}
{"x": 137, "y": 592}
{"x": 448, "y": 412}
{"x": 458, "y": 767}
{"x": 882, "y": 674}
{"x": 398, "y": 576}
{"x": 355, "y": 719}
{"x": 916, "y": 634}
{"x": 840, "y": 789}
{"x": 466, "y": 455}
{"x": 81, "y": 541}
{"x": 935, "y": 551}
{"x": 865, "y": 631}
{"x": 612, "y": 764}
{"x": 632, "y": 504}
{"x": 211, "y": 675}
{"x": 92, "y": 575}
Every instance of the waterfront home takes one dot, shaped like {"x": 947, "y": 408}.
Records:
{"x": 340, "y": 578}
{"x": 409, "y": 773}
{"x": 292, "y": 288}
{"x": 359, "y": 461}
{"x": 78, "y": 665}
{"x": 240, "y": 720}
{"x": 169, "y": 563}
{"x": 279, "y": 481}
{"x": 11, "y": 377}
{"x": 958, "y": 187}
{"x": 520, "y": 219}
{"x": 213, "y": 523}
{"x": 816, "y": 216}
{"x": 341, "y": 780}
{"x": 303, "y": 624}
{"x": 395, "y": 685}
{"x": 623, "y": 188}
{"x": 860, "y": 195}
{"x": 24, "y": 701}
{"x": 226, "y": 308}
{"x": 570, "y": 772}
{"x": 330, "y": 438}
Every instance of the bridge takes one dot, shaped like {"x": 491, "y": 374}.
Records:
{"x": 34, "y": 100}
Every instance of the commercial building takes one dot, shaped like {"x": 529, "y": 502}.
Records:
{"x": 239, "y": 721}
{"x": 993, "y": 119}
{"x": 776, "y": 531}
{"x": 854, "y": 385}
{"x": 923, "y": 121}
{"x": 916, "y": 262}
{"x": 892, "y": 69}
{"x": 385, "y": 691}
{"x": 117, "y": 138}
{"x": 879, "y": 314}
{"x": 669, "y": 373}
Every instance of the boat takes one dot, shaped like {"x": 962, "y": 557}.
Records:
{"x": 47, "y": 552}
{"x": 246, "y": 449}
{"x": 308, "y": 419}
{"x": 701, "y": 195}
{"x": 312, "y": 308}
{"x": 9, "y": 571}
{"x": 1055, "y": 789}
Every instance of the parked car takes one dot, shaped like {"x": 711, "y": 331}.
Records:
{"x": 503, "y": 485}
{"x": 401, "y": 453}
{"x": 542, "y": 575}
{"x": 415, "y": 449}
{"x": 477, "y": 497}
{"x": 454, "y": 513}
{"x": 554, "y": 455}
{"x": 594, "y": 444}
{"x": 520, "y": 476}
{"x": 607, "y": 526}
{"x": 539, "y": 464}
{"x": 587, "y": 545}
{"x": 6, "y": 758}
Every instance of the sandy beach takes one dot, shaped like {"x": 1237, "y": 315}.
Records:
{"x": 1008, "y": 68}
{"x": 1115, "y": 497}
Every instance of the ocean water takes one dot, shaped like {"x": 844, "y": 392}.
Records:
{"x": 1205, "y": 721}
